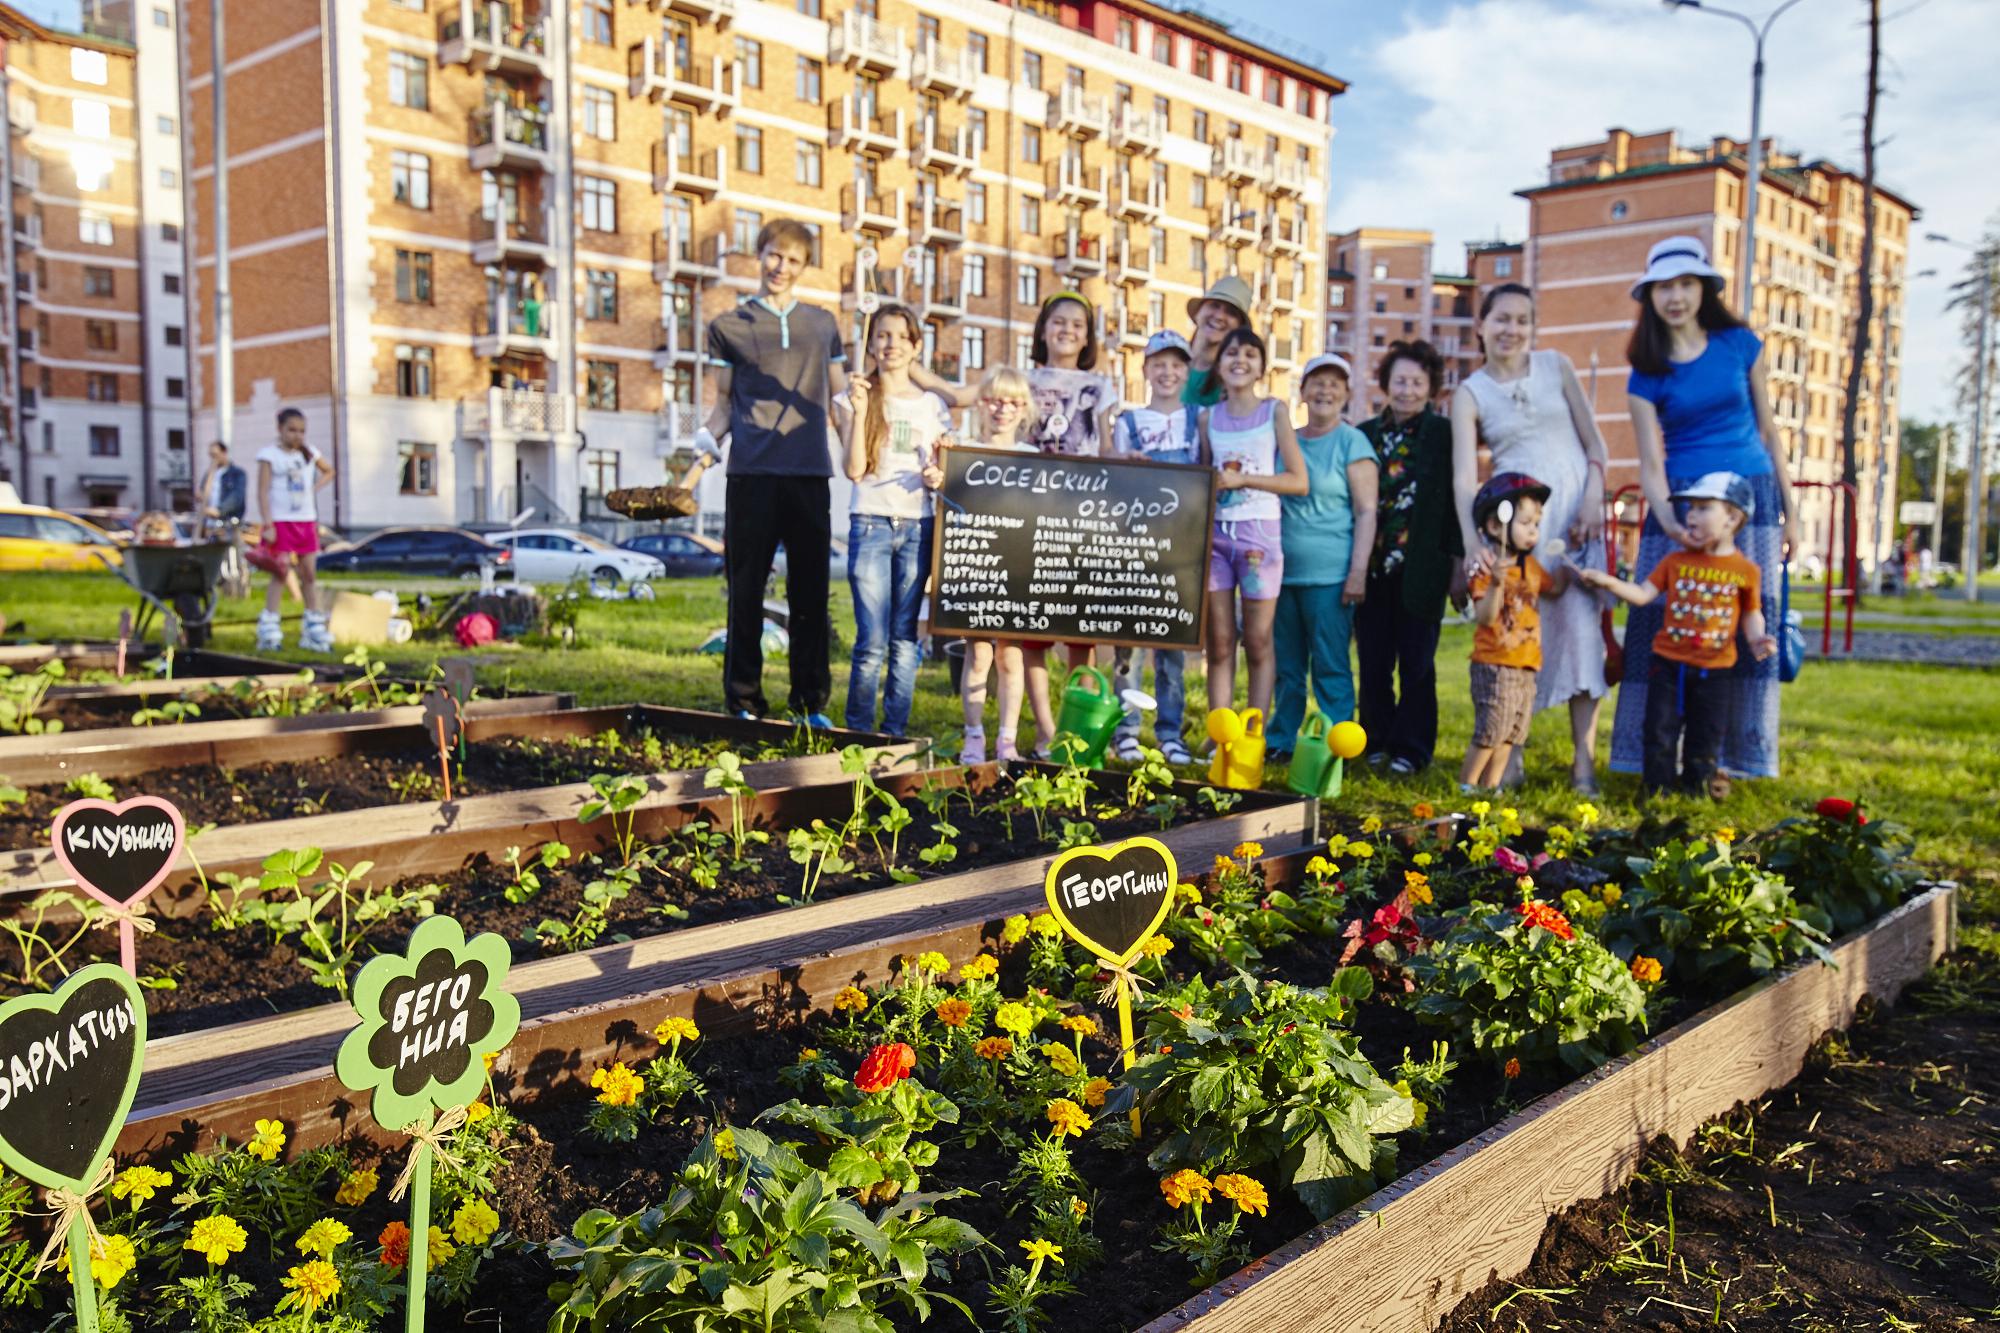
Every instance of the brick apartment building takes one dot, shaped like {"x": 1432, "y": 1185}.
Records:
{"x": 479, "y": 243}
{"x": 94, "y": 380}
{"x": 1383, "y": 287}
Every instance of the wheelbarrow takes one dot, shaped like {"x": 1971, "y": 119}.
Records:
{"x": 177, "y": 583}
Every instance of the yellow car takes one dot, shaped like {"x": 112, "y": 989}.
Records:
{"x": 32, "y": 537}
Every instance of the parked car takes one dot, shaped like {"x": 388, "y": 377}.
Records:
{"x": 427, "y": 550}
{"x": 32, "y": 537}
{"x": 685, "y": 554}
{"x": 557, "y": 555}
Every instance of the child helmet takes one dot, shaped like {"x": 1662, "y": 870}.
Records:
{"x": 1504, "y": 488}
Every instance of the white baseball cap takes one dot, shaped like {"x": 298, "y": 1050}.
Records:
{"x": 1676, "y": 257}
{"x": 1325, "y": 361}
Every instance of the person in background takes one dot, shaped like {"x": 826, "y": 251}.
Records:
{"x": 777, "y": 364}
{"x": 890, "y": 431}
{"x": 1002, "y": 420}
{"x": 1528, "y": 408}
{"x": 290, "y": 474}
{"x": 1417, "y": 552}
{"x": 1699, "y": 406}
{"x": 224, "y": 489}
{"x": 1217, "y": 313}
{"x": 1249, "y": 439}
{"x": 1507, "y": 585}
{"x": 1328, "y": 535}
{"x": 1163, "y": 431}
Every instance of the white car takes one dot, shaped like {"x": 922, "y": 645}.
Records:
{"x": 557, "y": 555}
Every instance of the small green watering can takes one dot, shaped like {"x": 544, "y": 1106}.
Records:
{"x": 1091, "y": 712}
{"x": 1319, "y": 758}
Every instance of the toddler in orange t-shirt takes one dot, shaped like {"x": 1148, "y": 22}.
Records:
{"x": 1710, "y": 592}
{"x": 1506, "y": 584}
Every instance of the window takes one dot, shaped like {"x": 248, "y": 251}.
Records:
{"x": 410, "y": 178}
{"x": 1073, "y": 77}
{"x": 1031, "y": 215}
{"x": 170, "y": 283}
{"x": 164, "y": 124}
{"x": 1198, "y": 190}
{"x": 89, "y": 66}
{"x": 806, "y": 162}
{"x": 750, "y": 149}
{"x": 975, "y": 132}
{"x": 92, "y": 227}
{"x": 1159, "y": 246}
{"x": 1024, "y": 348}
{"x": 1197, "y": 254}
{"x": 601, "y": 467}
{"x": 975, "y": 203}
{"x": 1337, "y": 298}
{"x": 600, "y": 203}
{"x": 1156, "y": 310}
{"x": 929, "y": 31}
{"x": 1128, "y": 35}
{"x": 99, "y": 282}
{"x": 806, "y": 81}
{"x": 600, "y": 294}
{"x": 170, "y": 232}
{"x": 597, "y": 22}
{"x": 1409, "y": 327}
{"x": 1381, "y": 272}
{"x": 100, "y": 388}
{"x": 100, "y": 335}
{"x": 409, "y": 81}
{"x": 1031, "y": 69}
{"x": 90, "y": 119}
{"x": 1164, "y": 110}
{"x": 974, "y": 342}
{"x": 1201, "y": 125}
{"x": 1204, "y": 63}
{"x": 810, "y": 8}
{"x": 1163, "y": 46}
{"x": 600, "y": 113}
{"x": 1503, "y": 267}
{"x": 1239, "y": 75}
{"x": 175, "y": 335}
{"x": 1619, "y": 210}
{"x": 1409, "y": 293}
{"x": 975, "y": 47}
{"x": 975, "y": 275}
{"x": 417, "y": 465}
{"x": 177, "y": 441}
{"x": 413, "y": 276}
{"x": 743, "y": 231}
{"x": 163, "y": 18}
{"x": 1305, "y": 99}
{"x": 680, "y": 224}
{"x": 601, "y": 385}
{"x": 169, "y": 178}
{"x": 104, "y": 441}
{"x": 1031, "y": 144}
{"x": 1274, "y": 89}
{"x": 750, "y": 55}
{"x": 1381, "y": 305}
{"x": 176, "y": 388}
{"x": 1028, "y": 285}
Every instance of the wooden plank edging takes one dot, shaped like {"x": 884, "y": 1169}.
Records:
{"x": 1402, "y": 1260}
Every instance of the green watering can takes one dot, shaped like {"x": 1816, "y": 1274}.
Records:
{"x": 1320, "y": 755}
{"x": 1090, "y": 712}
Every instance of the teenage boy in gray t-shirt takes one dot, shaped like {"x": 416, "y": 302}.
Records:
{"x": 777, "y": 363}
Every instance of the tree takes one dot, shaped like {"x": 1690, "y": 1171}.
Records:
{"x": 1857, "y": 362}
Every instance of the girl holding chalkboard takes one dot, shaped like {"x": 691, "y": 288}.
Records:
{"x": 890, "y": 431}
{"x": 1005, "y": 413}
{"x": 1250, "y": 440}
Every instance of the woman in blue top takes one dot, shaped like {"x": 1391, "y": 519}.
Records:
{"x": 1328, "y": 536}
{"x": 1698, "y": 406}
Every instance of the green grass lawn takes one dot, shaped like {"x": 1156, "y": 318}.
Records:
{"x": 1917, "y": 743}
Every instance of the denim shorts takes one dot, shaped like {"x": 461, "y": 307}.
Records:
{"x": 1247, "y": 554}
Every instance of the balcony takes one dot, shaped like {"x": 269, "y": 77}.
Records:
{"x": 500, "y": 239}
{"x": 1080, "y": 253}
{"x": 943, "y": 297}
{"x": 26, "y": 170}
{"x": 1284, "y": 294}
{"x": 877, "y": 212}
{"x": 674, "y": 344}
{"x": 509, "y": 136}
{"x": 1232, "y": 227}
{"x": 1071, "y": 182}
{"x": 1290, "y": 176}
{"x": 520, "y": 414}
{"x": 678, "y": 170}
{"x": 860, "y": 42}
{"x": 30, "y": 402}
{"x": 1129, "y": 329}
{"x": 1136, "y": 131}
{"x": 1237, "y": 163}
{"x": 719, "y": 12}
{"x": 1135, "y": 260}
{"x": 946, "y": 70}
{"x": 936, "y": 147}
{"x": 676, "y": 256}
{"x": 857, "y": 125}
{"x": 1074, "y": 111}
{"x": 936, "y": 220}
{"x": 1136, "y": 199}
{"x": 656, "y": 74}
{"x": 1285, "y": 235}
{"x": 21, "y": 114}
{"x": 482, "y": 34}
{"x": 28, "y": 232}
{"x": 518, "y": 331}
{"x": 1284, "y": 354}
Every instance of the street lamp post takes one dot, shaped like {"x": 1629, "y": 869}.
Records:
{"x": 1975, "y": 482}
{"x": 1754, "y": 168}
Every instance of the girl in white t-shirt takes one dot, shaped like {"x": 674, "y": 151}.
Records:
{"x": 890, "y": 431}
{"x": 289, "y": 476}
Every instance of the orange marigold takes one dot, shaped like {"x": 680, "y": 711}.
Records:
{"x": 994, "y": 1048}
{"x": 395, "y": 1241}
{"x": 1645, "y": 970}
{"x": 1536, "y": 913}
{"x": 954, "y": 1013}
{"x": 1185, "y": 1187}
{"x": 1512, "y": 1068}
{"x": 1423, "y": 810}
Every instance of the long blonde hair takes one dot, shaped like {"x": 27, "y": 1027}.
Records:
{"x": 1006, "y": 382}
{"x": 875, "y": 421}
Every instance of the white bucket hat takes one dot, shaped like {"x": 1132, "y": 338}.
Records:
{"x": 1676, "y": 257}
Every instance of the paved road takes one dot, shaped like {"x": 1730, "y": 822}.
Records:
{"x": 1973, "y": 650}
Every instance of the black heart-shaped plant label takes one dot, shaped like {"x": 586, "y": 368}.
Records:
{"x": 119, "y": 853}
{"x": 442, "y": 722}
{"x": 69, "y": 1066}
{"x": 1110, "y": 899}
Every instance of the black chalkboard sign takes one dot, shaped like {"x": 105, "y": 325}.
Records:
{"x": 1097, "y": 550}
{"x": 69, "y": 1064}
{"x": 1109, "y": 899}
{"x": 119, "y": 853}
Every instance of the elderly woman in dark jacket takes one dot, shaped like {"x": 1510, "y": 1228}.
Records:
{"x": 1417, "y": 549}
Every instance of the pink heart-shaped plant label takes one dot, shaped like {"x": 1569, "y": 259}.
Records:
{"x": 119, "y": 853}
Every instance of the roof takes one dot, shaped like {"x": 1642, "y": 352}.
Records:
{"x": 1451, "y": 279}
{"x": 13, "y": 23}
{"x": 1216, "y": 30}
{"x": 1791, "y": 178}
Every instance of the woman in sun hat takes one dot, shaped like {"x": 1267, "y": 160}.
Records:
{"x": 1698, "y": 406}
{"x": 1217, "y": 313}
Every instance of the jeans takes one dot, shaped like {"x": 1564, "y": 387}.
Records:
{"x": 762, "y": 512}
{"x": 1686, "y": 709}
{"x": 1169, "y": 692}
{"x": 888, "y": 562}
{"x": 1390, "y": 642}
{"x": 1311, "y": 636}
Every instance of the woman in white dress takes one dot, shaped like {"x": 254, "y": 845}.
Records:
{"x": 1528, "y": 409}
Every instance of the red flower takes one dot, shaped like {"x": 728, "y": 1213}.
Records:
{"x": 1535, "y": 913}
{"x": 395, "y": 1240}
{"x": 1510, "y": 861}
{"x": 884, "y": 1066}
{"x": 1841, "y": 810}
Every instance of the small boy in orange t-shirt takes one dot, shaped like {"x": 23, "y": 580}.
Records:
{"x": 1506, "y": 584}
{"x": 1710, "y": 592}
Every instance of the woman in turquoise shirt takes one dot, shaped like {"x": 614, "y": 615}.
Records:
{"x": 1328, "y": 535}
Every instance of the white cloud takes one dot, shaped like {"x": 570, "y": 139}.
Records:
{"x": 1492, "y": 85}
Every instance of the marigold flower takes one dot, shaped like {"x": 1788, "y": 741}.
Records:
{"x": 725, "y": 1144}
{"x": 1186, "y": 1187}
{"x": 324, "y": 1237}
{"x": 216, "y": 1238}
{"x": 438, "y": 1247}
{"x": 269, "y": 1140}
{"x": 954, "y": 1013}
{"x": 395, "y": 1242}
{"x": 618, "y": 1085}
{"x": 1337, "y": 845}
{"x": 1423, "y": 860}
{"x": 1645, "y": 970}
{"x": 1248, "y": 851}
{"x": 1014, "y": 929}
{"x": 357, "y": 1187}
{"x": 980, "y": 968}
{"x": 1525, "y": 883}
{"x": 1190, "y": 894}
{"x": 1482, "y": 808}
{"x": 993, "y": 1048}
{"x": 1321, "y": 867}
{"x": 1156, "y": 946}
{"x": 884, "y": 1067}
{"x": 1067, "y": 1118}
{"x": 490, "y": 1059}
{"x": 933, "y": 962}
{"x": 1014, "y": 1017}
{"x": 1222, "y": 865}
{"x": 1423, "y": 810}
{"x": 1371, "y": 825}
{"x": 1244, "y": 1192}
{"x": 1046, "y": 926}
{"x": 138, "y": 1183}
{"x": 316, "y": 1283}
{"x": 111, "y": 1258}
{"x": 1417, "y": 885}
{"x": 1536, "y": 913}
{"x": 1062, "y": 1059}
{"x": 1611, "y": 893}
{"x": 1361, "y": 851}
{"x": 1512, "y": 1069}
{"x": 476, "y": 1112}
{"x": 1083, "y": 1025}
{"x": 1725, "y": 835}
{"x": 474, "y": 1223}
{"x": 1077, "y": 1207}
{"x": 808, "y": 1055}
{"x": 851, "y": 998}
{"x": 1038, "y": 1250}
{"x": 1095, "y": 1091}
{"x": 675, "y": 1029}
{"x": 1417, "y": 1107}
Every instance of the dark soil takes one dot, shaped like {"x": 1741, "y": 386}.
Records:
{"x": 1878, "y": 1163}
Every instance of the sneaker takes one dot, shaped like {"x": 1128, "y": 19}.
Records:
{"x": 1379, "y": 758}
{"x": 1175, "y": 752}
{"x": 973, "y": 751}
{"x": 744, "y": 715}
{"x": 1402, "y": 768}
{"x": 270, "y": 632}
{"x": 314, "y": 636}
{"x": 1128, "y": 750}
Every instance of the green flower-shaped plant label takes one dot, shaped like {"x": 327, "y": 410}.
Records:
{"x": 428, "y": 1018}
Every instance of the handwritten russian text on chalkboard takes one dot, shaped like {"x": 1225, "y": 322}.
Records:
{"x": 69, "y": 1063}
{"x": 1095, "y": 549}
